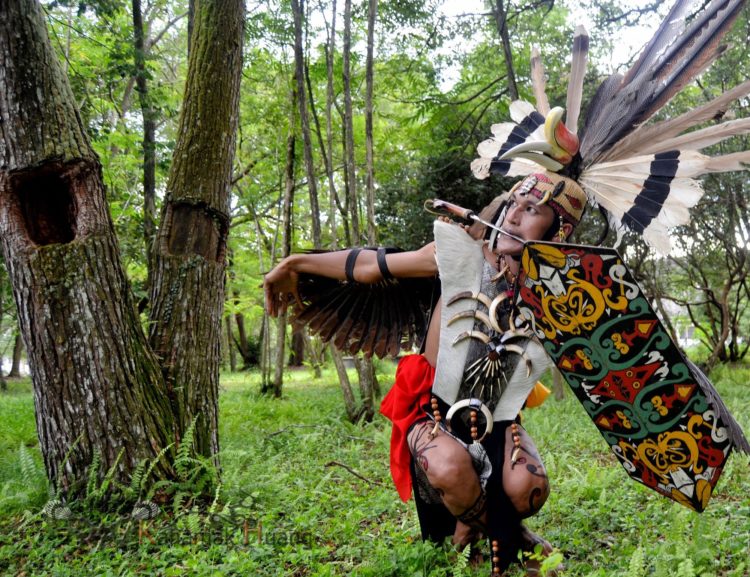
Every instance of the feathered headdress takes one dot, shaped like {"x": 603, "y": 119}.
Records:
{"x": 642, "y": 174}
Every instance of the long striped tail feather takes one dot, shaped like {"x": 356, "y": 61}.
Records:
{"x": 659, "y": 78}
{"x": 646, "y": 134}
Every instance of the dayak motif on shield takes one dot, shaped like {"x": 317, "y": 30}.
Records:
{"x": 645, "y": 398}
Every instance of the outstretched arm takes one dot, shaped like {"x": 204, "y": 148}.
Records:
{"x": 281, "y": 283}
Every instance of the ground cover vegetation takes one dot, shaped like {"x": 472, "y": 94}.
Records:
{"x": 305, "y": 492}
{"x": 303, "y": 487}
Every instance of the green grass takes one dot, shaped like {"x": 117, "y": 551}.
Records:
{"x": 285, "y": 507}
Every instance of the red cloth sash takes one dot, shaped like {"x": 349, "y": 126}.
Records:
{"x": 402, "y": 406}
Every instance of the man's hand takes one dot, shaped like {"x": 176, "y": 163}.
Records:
{"x": 280, "y": 287}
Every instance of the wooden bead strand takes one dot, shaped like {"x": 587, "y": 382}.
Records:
{"x": 474, "y": 430}
{"x": 516, "y": 436}
{"x": 436, "y": 415}
{"x": 495, "y": 558}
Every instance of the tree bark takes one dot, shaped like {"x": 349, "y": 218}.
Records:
{"x": 190, "y": 250}
{"x": 297, "y": 353}
{"x": 97, "y": 387}
{"x": 330, "y": 51}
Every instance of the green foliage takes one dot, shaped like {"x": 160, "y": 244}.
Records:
{"x": 285, "y": 507}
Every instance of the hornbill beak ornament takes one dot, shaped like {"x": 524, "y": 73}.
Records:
{"x": 555, "y": 151}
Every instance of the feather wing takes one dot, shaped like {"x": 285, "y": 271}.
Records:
{"x": 648, "y": 194}
{"x": 375, "y": 318}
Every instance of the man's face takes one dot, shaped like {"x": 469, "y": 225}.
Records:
{"x": 525, "y": 219}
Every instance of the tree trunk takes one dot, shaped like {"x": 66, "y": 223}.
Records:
{"x": 350, "y": 405}
{"x": 368, "y": 380}
{"x": 97, "y": 387}
{"x": 299, "y": 73}
{"x": 369, "y": 79}
{"x": 351, "y": 177}
{"x": 149, "y": 140}
{"x": 364, "y": 366}
{"x": 501, "y": 20}
{"x": 286, "y": 240}
{"x": 297, "y": 352}
{"x": 15, "y": 368}
{"x": 242, "y": 343}
{"x": 330, "y": 51}
{"x": 188, "y": 293}
{"x": 231, "y": 350}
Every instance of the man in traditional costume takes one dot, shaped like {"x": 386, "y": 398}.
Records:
{"x": 457, "y": 438}
{"x": 455, "y": 407}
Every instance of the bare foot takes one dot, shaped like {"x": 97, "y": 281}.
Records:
{"x": 529, "y": 542}
{"x": 465, "y": 535}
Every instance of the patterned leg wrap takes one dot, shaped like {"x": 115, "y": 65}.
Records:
{"x": 473, "y": 515}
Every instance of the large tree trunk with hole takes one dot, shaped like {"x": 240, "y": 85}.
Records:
{"x": 97, "y": 386}
{"x": 188, "y": 293}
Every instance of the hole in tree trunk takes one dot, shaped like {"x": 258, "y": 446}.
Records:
{"x": 46, "y": 205}
{"x": 196, "y": 229}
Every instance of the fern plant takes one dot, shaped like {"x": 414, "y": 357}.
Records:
{"x": 637, "y": 565}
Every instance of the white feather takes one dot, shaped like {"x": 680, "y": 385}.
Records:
{"x": 520, "y": 109}
{"x": 490, "y": 147}
{"x": 502, "y": 130}
{"x": 538, "y": 82}
{"x": 521, "y": 167}
{"x": 700, "y": 139}
{"x": 480, "y": 167}
{"x": 729, "y": 162}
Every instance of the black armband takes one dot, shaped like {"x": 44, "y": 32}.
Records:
{"x": 383, "y": 265}
{"x": 351, "y": 260}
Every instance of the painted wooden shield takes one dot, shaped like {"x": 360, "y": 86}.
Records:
{"x": 594, "y": 321}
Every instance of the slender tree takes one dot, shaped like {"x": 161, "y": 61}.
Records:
{"x": 149, "y": 137}
{"x": 500, "y": 13}
{"x": 372, "y": 10}
{"x": 299, "y": 73}
{"x": 286, "y": 232}
{"x": 187, "y": 298}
